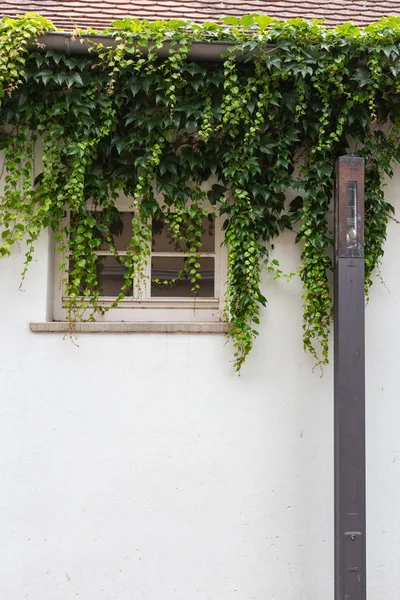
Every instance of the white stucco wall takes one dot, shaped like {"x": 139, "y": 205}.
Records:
{"x": 141, "y": 466}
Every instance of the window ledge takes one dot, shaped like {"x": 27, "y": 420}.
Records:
{"x": 128, "y": 327}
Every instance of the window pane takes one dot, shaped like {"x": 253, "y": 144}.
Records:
{"x": 119, "y": 226}
{"x": 166, "y": 269}
{"x": 111, "y": 276}
{"x": 164, "y": 241}
{"x": 115, "y": 224}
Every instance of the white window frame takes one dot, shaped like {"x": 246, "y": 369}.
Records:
{"x": 141, "y": 308}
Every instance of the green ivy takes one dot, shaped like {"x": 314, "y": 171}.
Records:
{"x": 285, "y": 101}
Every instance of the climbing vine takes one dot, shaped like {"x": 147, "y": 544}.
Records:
{"x": 140, "y": 115}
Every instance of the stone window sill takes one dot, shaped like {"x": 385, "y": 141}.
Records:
{"x": 128, "y": 327}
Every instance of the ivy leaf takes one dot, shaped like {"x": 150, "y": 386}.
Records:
{"x": 390, "y": 51}
{"x": 55, "y": 56}
{"x": 230, "y": 20}
{"x": 289, "y": 99}
{"x": 285, "y": 222}
{"x": 76, "y": 63}
{"x": 296, "y": 204}
{"x": 120, "y": 145}
{"x": 268, "y": 148}
{"x": 194, "y": 69}
{"x": 176, "y": 23}
{"x": 362, "y": 76}
{"x": 395, "y": 69}
{"x": 69, "y": 80}
{"x": 59, "y": 78}
{"x": 348, "y": 30}
{"x": 260, "y": 190}
{"x": 45, "y": 76}
{"x": 251, "y": 106}
{"x": 216, "y": 193}
{"x": 135, "y": 87}
{"x": 125, "y": 23}
{"x": 77, "y": 78}
{"x": 263, "y": 21}
{"x": 39, "y": 59}
{"x": 247, "y": 21}
{"x": 146, "y": 85}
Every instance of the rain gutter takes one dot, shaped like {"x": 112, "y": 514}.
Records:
{"x": 71, "y": 44}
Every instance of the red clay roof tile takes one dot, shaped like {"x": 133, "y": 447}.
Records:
{"x": 100, "y": 13}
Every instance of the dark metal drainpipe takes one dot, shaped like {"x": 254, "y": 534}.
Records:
{"x": 349, "y": 381}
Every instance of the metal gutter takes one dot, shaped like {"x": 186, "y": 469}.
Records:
{"x": 70, "y": 44}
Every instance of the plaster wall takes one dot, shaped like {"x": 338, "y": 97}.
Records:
{"x": 141, "y": 466}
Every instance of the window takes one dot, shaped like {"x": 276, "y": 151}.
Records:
{"x": 165, "y": 293}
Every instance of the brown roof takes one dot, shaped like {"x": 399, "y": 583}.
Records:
{"x": 98, "y": 14}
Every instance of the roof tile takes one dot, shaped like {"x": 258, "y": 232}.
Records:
{"x": 100, "y": 13}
